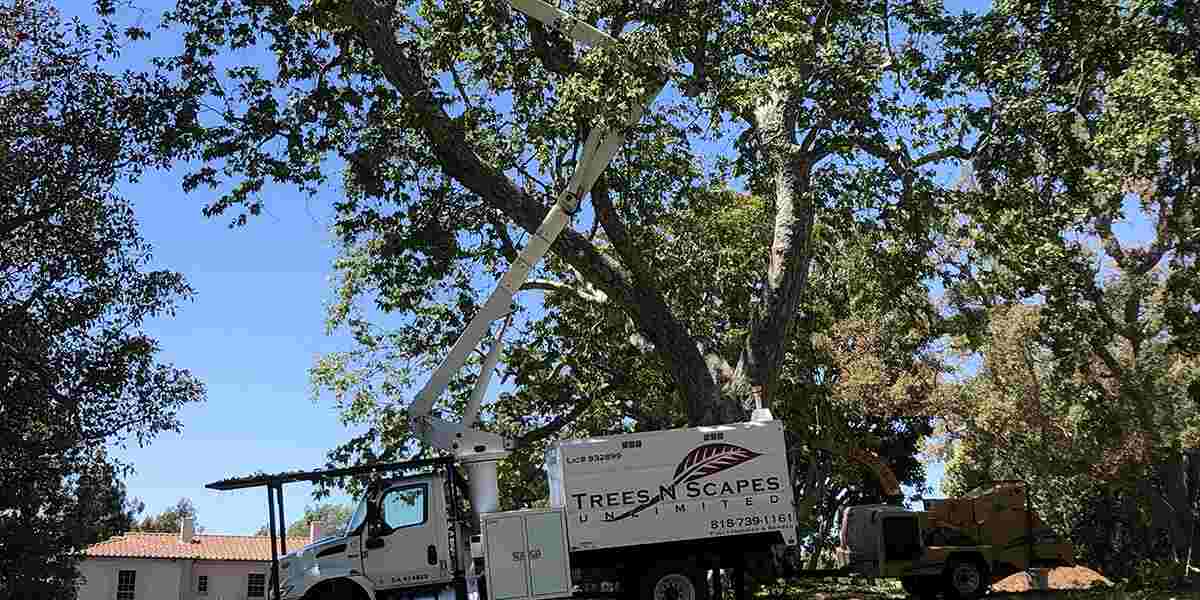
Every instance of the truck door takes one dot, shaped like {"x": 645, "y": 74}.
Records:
{"x": 901, "y": 538}
{"x": 405, "y": 542}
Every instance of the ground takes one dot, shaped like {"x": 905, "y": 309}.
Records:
{"x": 1066, "y": 583}
{"x": 1062, "y": 578}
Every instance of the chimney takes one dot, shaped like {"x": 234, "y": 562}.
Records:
{"x": 314, "y": 531}
{"x": 187, "y": 529}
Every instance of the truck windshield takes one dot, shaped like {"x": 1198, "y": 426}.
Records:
{"x": 360, "y": 515}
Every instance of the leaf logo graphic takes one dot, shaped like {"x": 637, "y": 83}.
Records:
{"x": 701, "y": 462}
{"x": 711, "y": 459}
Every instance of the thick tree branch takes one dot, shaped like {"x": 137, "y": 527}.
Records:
{"x": 618, "y": 234}
{"x": 458, "y": 159}
{"x": 790, "y": 251}
{"x": 670, "y": 337}
{"x": 556, "y": 424}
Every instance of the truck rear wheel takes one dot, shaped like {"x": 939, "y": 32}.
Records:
{"x": 677, "y": 580}
{"x": 965, "y": 580}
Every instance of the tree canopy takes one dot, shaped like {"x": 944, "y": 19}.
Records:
{"x": 794, "y": 153}
{"x": 77, "y": 371}
{"x": 1074, "y": 279}
{"x": 329, "y": 516}
{"x": 783, "y": 227}
{"x": 171, "y": 519}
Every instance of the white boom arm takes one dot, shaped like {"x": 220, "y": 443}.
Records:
{"x": 462, "y": 438}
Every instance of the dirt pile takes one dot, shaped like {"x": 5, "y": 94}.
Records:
{"x": 1061, "y": 578}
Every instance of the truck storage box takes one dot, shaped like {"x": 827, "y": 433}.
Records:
{"x": 680, "y": 484}
{"x": 526, "y": 555}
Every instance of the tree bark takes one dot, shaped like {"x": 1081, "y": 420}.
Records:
{"x": 790, "y": 253}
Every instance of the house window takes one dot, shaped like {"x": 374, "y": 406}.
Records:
{"x": 126, "y": 585}
{"x": 202, "y": 585}
{"x": 256, "y": 585}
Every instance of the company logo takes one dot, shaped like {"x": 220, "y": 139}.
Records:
{"x": 703, "y": 461}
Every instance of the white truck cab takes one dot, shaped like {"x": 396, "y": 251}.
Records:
{"x": 397, "y": 539}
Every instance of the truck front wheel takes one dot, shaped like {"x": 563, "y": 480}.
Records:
{"x": 673, "y": 581}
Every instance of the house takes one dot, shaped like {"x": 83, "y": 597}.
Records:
{"x": 180, "y": 566}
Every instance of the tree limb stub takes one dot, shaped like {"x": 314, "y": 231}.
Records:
{"x": 583, "y": 293}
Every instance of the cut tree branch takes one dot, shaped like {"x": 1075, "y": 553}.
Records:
{"x": 547, "y": 285}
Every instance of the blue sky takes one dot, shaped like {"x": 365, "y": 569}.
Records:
{"x": 251, "y": 333}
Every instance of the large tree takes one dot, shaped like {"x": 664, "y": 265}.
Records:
{"x": 457, "y": 123}
{"x": 77, "y": 372}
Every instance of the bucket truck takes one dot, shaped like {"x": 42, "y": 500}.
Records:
{"x": 634, "y": 516}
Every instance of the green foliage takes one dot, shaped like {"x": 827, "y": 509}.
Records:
{"x": 169, "y": 520}
{"x": 330, "y": 516}
{"x": 77, "y": 370}
{"x": 672, "y": 300}
{"x": 1084, "y": 336}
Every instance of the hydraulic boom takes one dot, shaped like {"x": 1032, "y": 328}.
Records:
{"x": 462, "y": 439}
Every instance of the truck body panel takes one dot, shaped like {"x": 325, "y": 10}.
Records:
{"x": 526, "y": 555}
{"x": 674, "y": 485}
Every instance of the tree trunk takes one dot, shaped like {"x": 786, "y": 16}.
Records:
{"x": 1171, "y": 509}
{"x": 790, "y": 253}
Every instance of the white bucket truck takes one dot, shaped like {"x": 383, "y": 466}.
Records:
{"x": 643, "y": 515}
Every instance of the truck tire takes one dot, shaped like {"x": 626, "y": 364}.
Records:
{"x": 674, "y": 580}
{"x": 922, "y": 587}
{"x": 965, "y": 579}
{"x": 338, "y": 589}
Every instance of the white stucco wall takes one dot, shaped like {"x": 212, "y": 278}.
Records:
{"x": 226, "y": 580}
{"x": 157, "y": 579}
{"x": 166, "y": 579}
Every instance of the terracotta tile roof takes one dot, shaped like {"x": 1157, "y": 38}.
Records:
{"x": 203, "y": 547}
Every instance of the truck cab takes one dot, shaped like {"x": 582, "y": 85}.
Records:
{"x": 398, "y": 540}
{"x": 880, "y": 540}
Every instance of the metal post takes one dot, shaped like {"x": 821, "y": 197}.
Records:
{"x": 271, "y": 527}
{"x": 282, "y": 520}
